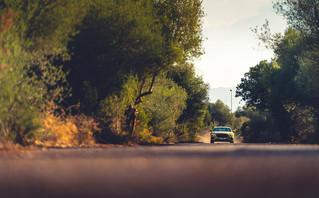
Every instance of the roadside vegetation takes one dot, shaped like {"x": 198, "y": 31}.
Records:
{"x": 282, "y": 95}
{"x": 80, "y": 72}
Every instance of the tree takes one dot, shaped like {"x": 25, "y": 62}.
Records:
{"x": 193, "y": 116}
{"x": 256, "y": 86}
{"x": 182, "y": 23}
{"x": 256, "y": 125}
{"x": 291, "y": 86}
{"x": 123, "y": 38}
{"x": 302, "y": 15}
{"x": 221, "y": 114}
{"x": 165, "y": 106}
{"x": 260, "y": 128}
{"x": 118, "y": 38}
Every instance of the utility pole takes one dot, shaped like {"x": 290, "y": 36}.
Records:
{"x": 231, "y": 101}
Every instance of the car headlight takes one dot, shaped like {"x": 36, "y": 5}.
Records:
{"x": 213, "y": 134}
{"x": 230, "y": 135}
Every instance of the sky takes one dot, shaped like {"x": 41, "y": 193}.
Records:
{"x": 230, "y": 46}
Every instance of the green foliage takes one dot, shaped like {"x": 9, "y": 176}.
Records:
{"x": 302, "y": 123}
{"x": 260, "y": 128}
{"x": 221, "y": 114}
{"x": 20, "y": 98}
{"x": 182, "y": 22}
{"x": 256, "y": 86}
{"x": 237, "y": 124}
{"x": 45, "y": 28}
{"x": 302, "y": 15}
{"x": 256, "y": 126}
{"x": 298, "y": 50}
{"x": 288, "y": 92}
{"x": 48, "y": 25}
{"x": 192, "y": 119}
{"x": 112, "y": 113}
{"x": 34, "y": 34}
{"x": 307, "y": 80}
{"x": 157, "y": 115}
{"x": 208, "y": 120}
{"x": 140, "y": 38}
{"x": 268, "y": 88}
{"x": 109, "y": 52}
{"x": 118, "y": 38}
{"x": 165, "y": 106}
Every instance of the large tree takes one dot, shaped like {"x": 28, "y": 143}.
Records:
{"x": 303, "y": 16}
{"x": 192, "y": 119}
{"x": 289, "y": 90}
{"x": 119, "y": 39}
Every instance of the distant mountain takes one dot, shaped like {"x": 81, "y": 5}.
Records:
{"x": 224, "y": 94}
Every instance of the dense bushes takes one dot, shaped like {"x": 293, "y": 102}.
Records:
{"x": 20, "y": 97}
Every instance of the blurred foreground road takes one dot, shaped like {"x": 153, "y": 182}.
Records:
{"x": 184, "y": 170}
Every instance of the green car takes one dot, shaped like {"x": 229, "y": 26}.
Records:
{"x": 222, "y": 134}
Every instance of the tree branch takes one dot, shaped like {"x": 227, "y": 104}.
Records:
{"x": 150, "y": 91}
{"x": 142, "y": 85}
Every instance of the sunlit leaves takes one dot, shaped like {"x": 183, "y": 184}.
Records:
{"x": 165, "y": 106}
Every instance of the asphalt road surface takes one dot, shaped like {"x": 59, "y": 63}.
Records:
{"x": 183, "y": 170}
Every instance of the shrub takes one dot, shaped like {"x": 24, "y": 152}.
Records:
{"x": 65, "y": 131}
{"x": 20, "y": 96}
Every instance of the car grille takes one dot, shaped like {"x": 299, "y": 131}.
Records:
{"x": 222, "y": 135}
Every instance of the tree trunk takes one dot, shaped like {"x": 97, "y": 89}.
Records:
{"x": 132, "y": 111}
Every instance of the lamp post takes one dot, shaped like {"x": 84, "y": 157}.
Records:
{"x": 231, "y": 101}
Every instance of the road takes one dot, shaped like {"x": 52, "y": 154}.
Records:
{"x": 183, "y": 170}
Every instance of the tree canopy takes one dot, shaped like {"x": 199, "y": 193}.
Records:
{"x": 286, "y": 86}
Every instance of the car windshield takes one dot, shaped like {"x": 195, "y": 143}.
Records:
{"x": 222, "y": 129}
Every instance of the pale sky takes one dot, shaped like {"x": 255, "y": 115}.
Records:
{"x": 231, "y": 48}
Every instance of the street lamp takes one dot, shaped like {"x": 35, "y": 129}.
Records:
{"x": 231, "y": 101}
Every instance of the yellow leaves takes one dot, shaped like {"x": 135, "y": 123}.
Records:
{"x": 145, "y": 136}
{"x": 58, "y": 131}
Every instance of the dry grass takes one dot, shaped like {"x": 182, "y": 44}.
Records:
{"x": 65, "y": 131}
{"x": 146, "y": 137}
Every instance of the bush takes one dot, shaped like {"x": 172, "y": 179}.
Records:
{"x": 65, "y": 131}
{"x": 112, "y": 112}
{"x": 20, "y": 96}
{"x": 164, "y": 106}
